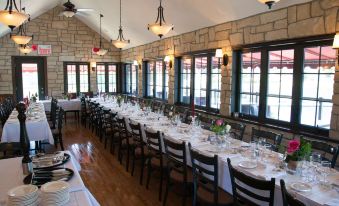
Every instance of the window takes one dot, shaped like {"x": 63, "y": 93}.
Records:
{"x": 157, "y": 80}
{"x": 106, "y": 77}
{"x": 131, "y": 76}
{"x": 200, "y": 81}
{"x": 185, "y": 81}
{"x": 76, "y": 77}
{"x": 101, "y": 75}
{"x": 317, "y": 83}
{"x": 279, "y": 84}
{"x": 289, "y": 85}
{"x": 112, "y": 78}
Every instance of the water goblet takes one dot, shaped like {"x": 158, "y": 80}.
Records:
{"x": 325, "y": 171}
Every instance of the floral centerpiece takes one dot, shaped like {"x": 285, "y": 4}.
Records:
{"x": 220, "y": 127}
{"x": 34, "y": 97}
{"x": 297, "y": 150}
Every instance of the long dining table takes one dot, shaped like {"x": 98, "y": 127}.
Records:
{"x": 37, "y": 125}
{"x": 237, "y": 151}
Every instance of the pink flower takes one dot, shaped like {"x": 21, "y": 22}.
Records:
{"x": 293, "y": 146}
{"x": 219, "y": 122}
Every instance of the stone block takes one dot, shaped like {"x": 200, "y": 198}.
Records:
{"x": 264, "y": 28}
{"x": 221, "y": 35}
{"x": 256, "y": 38}
{"x": 276, "y": 34}
{"x": 292, "y": 14}
{"x": 326, "y": 4}
{"x": 316, "y": 9}
{"x": 222, "y": 27}
{"x": 281, "y": 24}
{"x": 236, "y": 39}
{"x": 59, "y": 24}
{"x": 307, "y": 27}
{"x": 303, "y": 11}
{"x": 250, "y": 21}
{"x": 273, "y": 16}
{"x": 331, "y": 20}
{"x": 211, "y": 34}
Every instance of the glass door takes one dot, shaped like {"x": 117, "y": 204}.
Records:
{"x": 29, "y": 77}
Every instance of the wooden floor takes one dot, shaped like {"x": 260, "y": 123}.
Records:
{"x": 103, "y": 175}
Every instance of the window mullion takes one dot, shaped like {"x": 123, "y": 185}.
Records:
{"x": 263, "y": 85}
{"x": 297, "y": 87}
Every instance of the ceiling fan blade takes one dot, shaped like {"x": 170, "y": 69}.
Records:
{"x": 85, "y": 9}
{"x": 82, "y": 14}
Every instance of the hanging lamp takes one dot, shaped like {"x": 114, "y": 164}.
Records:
{"x": 21, "y": 37}
{"x": 269, "y": 3}
{"x": 12, "y": 16}
{"x": 25, "y": 49}
{"x": 120, "y": 42}
{"x": 160, "y": 27}
{"x": 101, "y": 51}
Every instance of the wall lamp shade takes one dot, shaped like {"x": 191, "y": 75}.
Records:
{"x": 25, "y": 49}
{"x": 21, "y": 40}
{"x": 219, "y": 54}
{"x": 12, "y": 19}
{"x": 269, "y": 3}
{"x": 93, "y": 65}
{"x": 168, "y": 60}
{"x": 135, "y": 63}
{"x": 68, "y": 14}
{"x": 336, "y": 42}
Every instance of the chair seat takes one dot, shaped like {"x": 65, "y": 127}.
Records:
{"x": 206, "y": 198}
{"x": 178, "y": 177}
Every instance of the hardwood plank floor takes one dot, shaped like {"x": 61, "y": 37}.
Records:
{"x": 103, "y": 175}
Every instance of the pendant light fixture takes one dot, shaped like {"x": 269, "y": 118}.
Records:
{"x": 160, "y": 27}
{"x": 21, "y": 37}
{"x": 269, "y": 3}
{"x": 25, "y": 49}
{"x": 101, "y": 51}
{"x": 120, "y": 42}
{"x": 12, "y": 16}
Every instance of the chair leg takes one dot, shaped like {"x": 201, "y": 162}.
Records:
{"x": 149, "y": 171}
{"x": 160, "y": 186}
{"x": 105, "y": 141}
{"x": 142, "y": 169}
{"x": 167, "y": 189}
{"x": 184, "y": 197}
{"x": 133, "y": 162}
{"x": 61, "y": 143}
{"x": 128, "y": 156}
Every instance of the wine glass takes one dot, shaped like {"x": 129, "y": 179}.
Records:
{"x": 325, "y": 171}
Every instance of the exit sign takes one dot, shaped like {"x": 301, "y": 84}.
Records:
{"x": 44, "y": 49}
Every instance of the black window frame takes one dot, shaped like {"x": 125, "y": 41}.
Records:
{"x": 192, "y": 56}
{"x": 163, "y": 79}
{"x": 129, "y": 84}
{"x": 298, "y": 45}
{"x": 77, "y": 70}
{"x": 106, "y": 64}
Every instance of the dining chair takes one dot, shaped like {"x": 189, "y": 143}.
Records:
{"x": 245, "y": 188}
{"x": 177, "y": 170}
{"x": 328, "y": 152}
{"x": 3, "y": 118}
{"x": 205, "y": 121}
{"x": 181, "y": 111}
{"x": 114, "y": 131}
{"x": 84, "y": 112}
{"x": 57, "y": 132}
{"x": 137, "y": 148}
{"x": 237, "y": 130}
{"x": 155, "y": 159}
{"x": 205, "y": 180}
{"x": 124, "y": 139}
{"x": 288, "y": 199}
{"x": 168, "y": 110}
{"x": 106, "y": 126}
{"x": 10, "y": 150}
{"x": 271, "y": 138}
{"x": 156, "y": 106}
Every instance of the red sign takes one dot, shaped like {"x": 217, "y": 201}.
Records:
{"x": 44, "y": 49}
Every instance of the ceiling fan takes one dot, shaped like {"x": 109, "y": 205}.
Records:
{"x": 70, "y": 10}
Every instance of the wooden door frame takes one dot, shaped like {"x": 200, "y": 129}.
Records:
{"x": 29, "y": 59}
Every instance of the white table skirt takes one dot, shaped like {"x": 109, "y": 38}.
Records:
{"x": 316, "y": 197}
{"x": 37, "y": 130}
{"x": 11, "y": 176}
{"x": 71, "y": 105}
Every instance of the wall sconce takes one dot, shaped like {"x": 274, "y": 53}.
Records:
{"x": 219, "y": 54}
{"x": 168, "y": 60}
{"x": 336, "y": 45}
{"x": 135, "y": 63}
{"x": 93, "y": 65}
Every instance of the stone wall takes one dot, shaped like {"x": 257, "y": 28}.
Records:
{"x": 71, "y": 40}
{"x": 314, "y": 18}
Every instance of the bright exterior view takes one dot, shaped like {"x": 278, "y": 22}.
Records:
{"x": 30, "y": 84}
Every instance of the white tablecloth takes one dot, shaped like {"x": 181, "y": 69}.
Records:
{"x": 264, "y": 171}
{"x": 37, "y": 128}
{"x": 11, "y": 176}
{"x": 71, "y": 105}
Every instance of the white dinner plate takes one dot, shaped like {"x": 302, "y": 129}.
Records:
{"x": 23, "y": 191}
{"x": 54, "y": 187}
{"x": 248, "y": 164}
{"x": 301, "y": 186}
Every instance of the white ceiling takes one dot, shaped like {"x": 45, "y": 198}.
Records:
{"x": 186, "y": 15}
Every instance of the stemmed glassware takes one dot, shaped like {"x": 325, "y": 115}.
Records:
{"x": 325, "y": 171}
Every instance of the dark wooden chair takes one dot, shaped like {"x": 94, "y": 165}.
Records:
{"x": 115, "y": 140}
{"x": 156, "y": 106}
{"x": 272, "y": 138}
{"x": 205, "y": 121}
{"x": 137, "y": 148}
{"x": 84, "y": 112}
{"x": 57, "y": 132}
{"x": 10, "y": 150}
{"x": 177, "y": 170}
{"x": 205, "y": 180}
{"x": 237, "y": 130}
{"x": 328, "y": 151}
{"x": 288, "y": 199}
{"x": 243, "y": 196}
{"x": 124, "y": 139}
{"x": 168, "y": 109}
{"x": 155, "y": 159}
{"x": 181, "y": 111}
